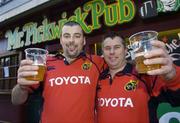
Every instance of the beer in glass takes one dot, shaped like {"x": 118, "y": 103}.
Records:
{"x": 140, "y": 43}
{"x": 38, "y": 56}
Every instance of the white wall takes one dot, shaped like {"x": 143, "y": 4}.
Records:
{"x": 16, "y": 7}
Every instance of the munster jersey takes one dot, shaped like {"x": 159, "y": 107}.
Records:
{"x": 70, "y": 89}
{"x": 125, "y": 98}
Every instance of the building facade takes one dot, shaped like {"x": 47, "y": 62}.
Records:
{"x": 37, "y": 23}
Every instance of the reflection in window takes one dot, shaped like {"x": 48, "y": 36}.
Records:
{"x": 8, "y": 72}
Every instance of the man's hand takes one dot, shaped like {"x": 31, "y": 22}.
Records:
{"x": 26, "y": 69}
{"x": 159, "y": 55}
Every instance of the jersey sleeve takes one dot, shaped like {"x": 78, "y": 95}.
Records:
{"x": 157, "y": 84}
{"x": 174, "y": 83}
{"x": 164, "y": 91}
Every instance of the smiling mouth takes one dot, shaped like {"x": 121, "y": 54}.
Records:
{"x": 71, "y": 47}
{"x": 112, "y": 58}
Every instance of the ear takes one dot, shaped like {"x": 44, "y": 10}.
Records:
{"x": 102, "y": 49}
{"x": 84, "y": 41}
{"x": 60, "y": 39}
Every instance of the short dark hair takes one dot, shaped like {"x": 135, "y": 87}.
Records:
{"x": 72, "y": 23}
{"x": 112, "y": 35}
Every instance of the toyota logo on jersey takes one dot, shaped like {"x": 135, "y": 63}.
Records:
{"x": 115, "y": 102}
{"x": 69, "y": 80}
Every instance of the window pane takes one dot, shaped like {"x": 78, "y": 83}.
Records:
{"x": 8, "y": 71}
{"x": 12, "y": 83}
{"x": 13, "y": 71}
{"x": 1, "y": 72}
{"x": 7, "y": 61}
{"x": 14, "y": 60}
{"x": 6, "y": 84}
{"x": 1, "y": 62}
{"x": 1, "y": 84}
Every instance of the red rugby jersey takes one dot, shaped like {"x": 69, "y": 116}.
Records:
{"x": 124, "y": 99}
{"x": 69, "y": 90}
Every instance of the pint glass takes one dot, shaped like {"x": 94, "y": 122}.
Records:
{"x": 140, "y": 43}
{"x": 38, "y": 56}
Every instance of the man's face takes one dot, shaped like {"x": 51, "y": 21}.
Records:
{"x": 114, "y": 52}
{"x": 72, "y": 40}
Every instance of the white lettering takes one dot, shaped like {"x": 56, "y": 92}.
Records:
{"x": 51, "y": 81}
{"x": 81, "y": 79}
{"x": 101, "y": 101}
{"x": 73, "y": 80}
{"x": 115, "y": 102}
{"x": 169, "y": 48}
{"x": 121, "y": 101}
{"x": 175, "y": 43}
{"x": 87, "y": 80}
{"x": 107, "y": 101}
{"x": 60, "y": 81}
{"x": 66, "y": 79}
{"x": 128, "y": 103}
{"x": 70, "y": 80}
{"x": 172, "y": 46}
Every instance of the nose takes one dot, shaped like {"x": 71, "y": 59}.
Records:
{"x": 112, "y": 51}
{"x": 71, "y": 39}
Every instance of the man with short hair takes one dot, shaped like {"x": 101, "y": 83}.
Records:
{"x": 70, "y": 81}
{"x": 123, "y": 95}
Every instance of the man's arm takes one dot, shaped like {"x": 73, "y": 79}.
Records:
{"x": 20, "y": 92}
{"x": 168, "y": 75}
{"x": 19, "y": 95}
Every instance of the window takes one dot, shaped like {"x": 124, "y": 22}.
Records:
{"x": 8, "y": 71}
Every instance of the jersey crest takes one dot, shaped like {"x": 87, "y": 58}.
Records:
{"x": 131, "y": 85}
{"x": 86, "y": 65}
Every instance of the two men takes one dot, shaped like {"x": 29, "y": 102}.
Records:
{"x": 70, "y": 81}
{"x": 71, "y": 78}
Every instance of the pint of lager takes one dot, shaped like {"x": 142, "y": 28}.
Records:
{"x": 40, "y": 75}
{"x": 140, "y": 43}
{"x": 38, "y": 56}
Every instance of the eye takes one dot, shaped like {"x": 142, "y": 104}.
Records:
{"x": 117, "y": 47}
{"x": 66, "y": 36}
{"x": 77, "y": 35}
{"x": 107, "y": 48}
